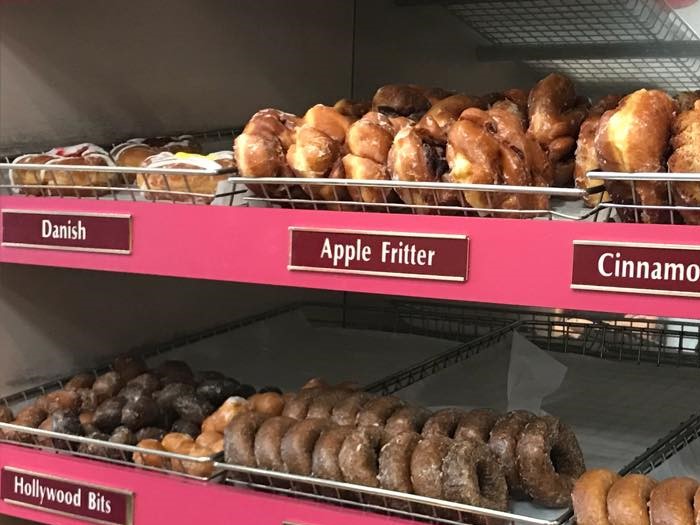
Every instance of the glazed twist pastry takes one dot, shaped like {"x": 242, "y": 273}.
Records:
{"x": 686, "y": 159}
{"x": 633, "y": 138}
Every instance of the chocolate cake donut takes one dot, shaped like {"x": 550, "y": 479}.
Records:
{"x": 443, "y": 422}
{"x": 503, "y": 441}
{"x": 324, "y": 460}
{"x": 407, "y": 419}
{"x": 345, "y": 412}
{"x": 395, "y": 462}
{"x": 298, "y": 445}
{"x": 426, "y": 465}
{"x": 472, "y": 475}
{"x": 376, "y": 411}
{"x": 476, "y": 424}
{"x": 239, "y": 438}
{"x": 268, "y": 441}
{"x": 359, "y": 456}
{"x": 549, "y": 461}
{"x": 298, "y": 406}
{"x": 322, "y": 405}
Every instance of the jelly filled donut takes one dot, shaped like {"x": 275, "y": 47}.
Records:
{"x": 426, "y": 465}
{"x": 239, "y": 438}
{"x": 324, "y": 460}
{"x": 628, "y": 500}
{"x": 359, "y": 456}
{"x": 590, "y": 496}
{"x": 345, "y": 413}
{"x": 549, "y": 460}
{"x": 268, "y": 441}
{"x": 395, "y": 462}
{"x": 671, "y": 502}
{"x": 443, "y": 422}
{"x": 407, "y": 419}
{"x": 503, "y": 442}
{"x": 476, "y": 424}
{"x": 298, "y": 445}
{"x": 472, "y": 475}
{"x": 376, "y": 412}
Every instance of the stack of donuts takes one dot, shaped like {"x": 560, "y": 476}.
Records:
{"x": 475, "y": 457}
{"x": 602, "y": 497}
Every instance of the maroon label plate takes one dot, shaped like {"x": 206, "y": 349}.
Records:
{"x": 658, "y": 269}
{"x": 65, "y": 497}
{"x": 410, "y": 255}
{"x": 86, "y": 232}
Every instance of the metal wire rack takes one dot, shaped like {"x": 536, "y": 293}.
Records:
{"x": 597, "y": 42}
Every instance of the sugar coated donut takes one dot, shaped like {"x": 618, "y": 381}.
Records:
{"x": 268, "y": 441}
{"x": 395, "y": 462}
{"x": 426, "y": 465}
{"x": 503, "y": 441}
{"x": 476, "y": 424}
{"x": 443, "y": 422}
{"x": 359, "y": 456}
{"x": 298, "y": 445}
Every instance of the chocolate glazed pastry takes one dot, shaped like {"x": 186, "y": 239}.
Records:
{"x": 345, "y": 413}
{"x": 426, "y": 465}
{"x": 239, "y": 438}
{"x": 395, "y": 462}
{"x": 268, "y": 441}
{"x": 376, "y": 412}
{"x": 476, "y": 424}
{"x": 324, "y": 460}
{"x": 472, "y": 475}
{"x": 628, "y": 500}
{"x": 503, "y": 442}
{"x": 407, "y": 419}
{"x": 359, "y": 456}
{"x": 549, "y": 460}
{"x": 298, "y": 445}
{"x": 443, "y": 422}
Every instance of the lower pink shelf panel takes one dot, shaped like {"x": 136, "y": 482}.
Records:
{"x": 159, "y": 499}
{"x": 519, "y": 262}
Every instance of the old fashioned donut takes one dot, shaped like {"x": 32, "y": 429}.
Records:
{"x": 359, "y": 456}
{"x": 298, "y": 406}
{"x": 268, "y": 441}
{"x": 376, "y": 412}
{"x": 298, "y": 445}
{"x": 443, "y": 422}
{"x": 671, "y": 502}
{"x": 476, "y": 424}
{"x": 426, "y": 465}
{"x": 345, "y": 412}
{"x": 628, "y": 500}
{"x": 472, "y": 475}
{"x": 549, "y": 461}
{"x": 239, "y": 438}
{"x": 322, "y": 405}
{"x": 503, "y": 442}
{"x": 407, "y": 419}
{"x": 395, "y": 462}
{"x": 590, "y": 496}
{"x": 324, "y": 460}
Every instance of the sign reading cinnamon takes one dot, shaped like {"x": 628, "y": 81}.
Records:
{"x": 87, "y": 232}
{"x": 65, "y": 497}
{"x": 657, "y": 269}
{"x": 440, "y": 257}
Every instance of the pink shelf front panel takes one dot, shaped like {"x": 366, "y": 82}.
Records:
{"x": 519, "y": 262}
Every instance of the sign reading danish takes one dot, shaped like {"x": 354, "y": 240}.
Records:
{"x": 410, "y": 255}
{"x": 85, "y": 232}
{"x": 65, "y": 497}
{"x": 658, "y": 269}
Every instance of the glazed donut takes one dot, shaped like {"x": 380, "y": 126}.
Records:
{"x": 273, "y": 123}
{"x": 329, "y": 121}
{"x": 620, "y": 147}
{"x": 590, "y": 496}
{"x": 219, "y": 420}
{"x": 443, "y": 422}
{"x": 395, "y": 462}
{"x": 352, "y": 108}
{"x": 345, "y": 413}
{"x": 239, "y": 438}
{"x": 686, "y": 159}
{"x": 211, "y": 440}
{"x": 407, "y": 419}
{"x": 151, "y": 460}
{"x": 503, "y": 441}
{"x": 359, "y": 456}
{"x": 472, "y": 475}
{"x": 322, "y": 405}
{"x": 549, "y": 461}
{"x": 426, "y": 465}
{"x": 268, "y": 441}
{"x": 324, "y": 460}
{"x": 298, "y": 445}
{"x": 400, "y": 100}
{"x": 440, "y": 117}
{"x": 671, "y": 502}
{"x": 476, "y": 424}
{"x": 628, "y": 500}
{"x": 376, "y": 411}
